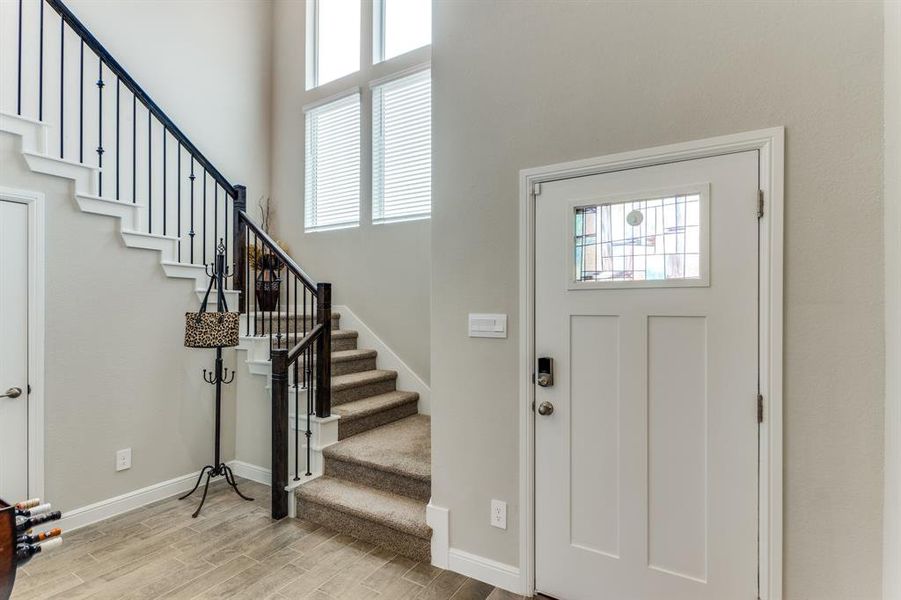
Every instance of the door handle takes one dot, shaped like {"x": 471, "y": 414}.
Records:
{"x": 545, "y": 409}
{"x": 12, "y": 392}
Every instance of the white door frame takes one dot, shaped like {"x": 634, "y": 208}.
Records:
{"x": 35, "y": 203}
{"x": 770, "y": 145}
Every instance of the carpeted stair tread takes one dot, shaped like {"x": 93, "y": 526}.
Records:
{"x": 373, "y": 404}
{"x": 403, "y": 447}
{"x": 352, "y": 380}
{"x": 352, "y": 355}
{"x": 384, "y": 508}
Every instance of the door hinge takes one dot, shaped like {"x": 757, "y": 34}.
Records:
{"x": 536, "y": 189}
{"x": 759, "y": 204}
{"x": 759, "y": 408}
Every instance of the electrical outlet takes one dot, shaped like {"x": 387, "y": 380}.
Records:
{"x": 123, "y": 459}
{"x": 498, "y": 514}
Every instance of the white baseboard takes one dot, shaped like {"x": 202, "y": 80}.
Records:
{"x": 407, "y": 379}
{"x": 437, "y": 519}
{"x": 484, "y": 569}
{"x": 86, "y": 515}
{"x": 251, "y": 472}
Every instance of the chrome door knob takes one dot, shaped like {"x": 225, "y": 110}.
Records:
{"x": 12, "y": 392}
{"x": 545, "y": 409}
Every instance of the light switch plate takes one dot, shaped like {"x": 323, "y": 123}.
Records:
{"x": 487, "y": 325}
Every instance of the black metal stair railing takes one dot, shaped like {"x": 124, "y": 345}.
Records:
{"x": 153, "y": 160}
{"x": 284, "y": 305}
{"x": 139, "y": 150}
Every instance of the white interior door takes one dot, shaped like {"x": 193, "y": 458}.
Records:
{"x": 646, "y": 299}
{"x": 13, "y": 350}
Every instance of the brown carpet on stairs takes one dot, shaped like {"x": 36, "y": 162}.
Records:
{"x": 376, "y": 486}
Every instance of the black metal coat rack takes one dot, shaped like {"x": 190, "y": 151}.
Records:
{"x": 220, "y": 375}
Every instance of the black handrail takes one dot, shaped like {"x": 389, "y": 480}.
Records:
{"x": 113, "y": 65}
{"x": 295, "y": 352}
{"x": 273, "y": 248}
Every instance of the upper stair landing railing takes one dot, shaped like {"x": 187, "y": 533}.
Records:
{"x": 99, "y": 115}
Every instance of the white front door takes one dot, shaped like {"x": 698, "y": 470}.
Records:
{"x": 646, "y": 300}
{"x": 13, "y": 350}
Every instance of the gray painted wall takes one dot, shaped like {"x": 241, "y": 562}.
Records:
{"x": 522, "y": 84}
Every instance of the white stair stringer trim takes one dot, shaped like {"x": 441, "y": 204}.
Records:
{"x": 407, "y": 378}
{"x": 33, "y": 136}
{"x": 186, "y": 271}
{"x": 164, "y": 244}
{"x": 126, "y": 212}
{"x": 85, "y": 177}
{"x": 33, "y": 133}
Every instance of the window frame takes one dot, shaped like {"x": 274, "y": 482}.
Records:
{"x": 370, "y": 73}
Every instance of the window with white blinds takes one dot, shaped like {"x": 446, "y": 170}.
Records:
{"x": 402, "y": 148}
{"x": 332, "y": 182}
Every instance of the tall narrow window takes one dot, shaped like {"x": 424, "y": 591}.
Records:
{"x": 402, "y": 148}
{"x": 336, "y": 40}
{"x": 332, "y": 182}
{"x": 400, "y": 26}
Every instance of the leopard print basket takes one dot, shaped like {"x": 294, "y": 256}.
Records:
{"x": 211, "y": 329}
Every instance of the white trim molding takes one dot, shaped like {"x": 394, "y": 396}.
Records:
{"x": 35, "y": 203}
{"x": 459, "y": 561}
{"x": 105, "y": 509}
{"x": 252, "y": 472}
{"x": 484, "y": 569}
{"x": 407, "y": 378}
{"x": 437, "y": 517}
{"x": 770, "y": 145}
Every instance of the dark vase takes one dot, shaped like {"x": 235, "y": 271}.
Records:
{"x": 268, "y": 283}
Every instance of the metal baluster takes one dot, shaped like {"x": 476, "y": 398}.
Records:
{"x": 62, "y": 77}
{"x": 149, "y": 173}
{"x": 216, "y": 212}
{"x": 41, "y": 66}
{"x": 296, "y": 424}
{"x": 165, "y": 165}
{"x": 134, "y": 149}
{"x": 191, "y": 232}
{"x": 256, "y": 307}
{"x": 228, "y": 210}
{"x": 178, "y": 200}
{"x": 118, "y": 89}
{"x": 308, "y": 382}
{"x": 100, "y": 86}
{"x": 203, "y": 224}
{"x": 278, "y": 304}
{"x": 246, "y": 255}
{"x": 19, "y": 74}
{"x": 81, "y": 105}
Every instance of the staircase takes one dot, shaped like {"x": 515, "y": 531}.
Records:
{"x": 368, "y": 454}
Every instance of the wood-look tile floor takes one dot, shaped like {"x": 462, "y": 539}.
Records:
{"x": 232, "y": 550}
